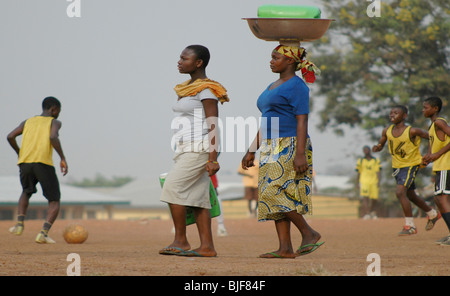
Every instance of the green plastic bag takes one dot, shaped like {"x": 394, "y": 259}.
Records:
{"x": 288, "y": 11}
{"x": 215, "y": 207}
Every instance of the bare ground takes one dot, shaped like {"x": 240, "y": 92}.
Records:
{"x": 130, "y": 248}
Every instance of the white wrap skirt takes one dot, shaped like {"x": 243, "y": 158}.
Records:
{"x": 187, "y": 182}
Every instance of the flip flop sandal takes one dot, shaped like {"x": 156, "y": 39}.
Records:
{"x": 314, "y": 247}
{"x": 192, "y": 253}
{"x": 274, "y": 255}
{"x": 171, "y": 251}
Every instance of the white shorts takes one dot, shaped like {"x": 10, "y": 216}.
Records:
{"x": 442, "y": 185}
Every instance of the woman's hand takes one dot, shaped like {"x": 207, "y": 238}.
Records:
{"x": 212, "y": 167}
{"x": 300, "y": 163}
{"x": 248, "y": 160}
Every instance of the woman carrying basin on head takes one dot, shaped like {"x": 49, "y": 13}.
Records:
{"x": 285, "y": 169}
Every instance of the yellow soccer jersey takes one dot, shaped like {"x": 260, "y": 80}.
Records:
{"x": 443, "y": 162}
{"x": 368, "y": 170}
{"x": 36, "y": 146}
{"x": 405, "y": 153}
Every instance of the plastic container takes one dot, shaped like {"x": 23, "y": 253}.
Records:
{"x": 288, "y": 11}
{"x": 215, "y": 207}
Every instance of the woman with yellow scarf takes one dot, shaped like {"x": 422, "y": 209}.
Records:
{"x": 196, "y": 151}
{"x": 285, "y": 168}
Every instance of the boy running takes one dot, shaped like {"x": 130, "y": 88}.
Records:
{"x": 39, "y": 138}
{"x": 439, "y": 155}
{"x": 404, "y": 143}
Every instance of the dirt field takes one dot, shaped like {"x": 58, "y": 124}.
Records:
{"x": 130, "y": 248}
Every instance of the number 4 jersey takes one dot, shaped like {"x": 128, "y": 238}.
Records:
{"x": 405, "y": 153}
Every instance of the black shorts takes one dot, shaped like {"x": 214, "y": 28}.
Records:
{"x": 32, "y": 173}
{"x": 442, "y": 185}
{"x": 406, "y": 176}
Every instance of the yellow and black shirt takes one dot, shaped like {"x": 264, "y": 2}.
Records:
{"x": 443, "y": 162}
{"x": 36, "y": 146}
{"x": 405, "y": 153}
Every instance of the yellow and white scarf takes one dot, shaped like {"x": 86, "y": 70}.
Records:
{"x": 187, "y": 89}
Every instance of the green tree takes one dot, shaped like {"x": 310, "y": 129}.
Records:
{"x": 371, "y": 63}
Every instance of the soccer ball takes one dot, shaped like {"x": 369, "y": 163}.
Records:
{"x": 75, "y": 234}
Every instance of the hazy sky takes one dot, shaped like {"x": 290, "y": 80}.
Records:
{"x": 114, "y": 69}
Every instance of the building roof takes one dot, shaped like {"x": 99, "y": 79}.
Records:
{"x": 10, "y": 190}
{"x": 142, "y": 192}
{"x": 146, "y": 191}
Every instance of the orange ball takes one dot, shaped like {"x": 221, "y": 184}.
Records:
{"x": 75, "y": 234}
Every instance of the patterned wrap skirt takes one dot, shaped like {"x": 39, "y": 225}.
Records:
{"x": 280, "y": 188}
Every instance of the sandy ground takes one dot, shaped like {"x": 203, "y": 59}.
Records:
{"x": 130, "y": 248}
